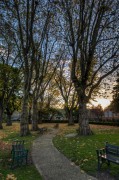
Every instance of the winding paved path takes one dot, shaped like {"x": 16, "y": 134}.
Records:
{"x": 53, "y": 165}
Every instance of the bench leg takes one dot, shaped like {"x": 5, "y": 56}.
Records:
{"x": 99, "y": 166}
{"x": 12, "y": 166}
{"x": 12, "y": 163}
{"x": 99, "y": 163}
{"x": 108, "y": 163}
{"x": 26, "y": 159}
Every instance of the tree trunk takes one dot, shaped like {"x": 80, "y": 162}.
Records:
{"x": 29, "y": 116}
{"x": 84, "y": 128}
{"x": 51, "y": 118}
{"x": 69, "y": 116}
{"x": 40, "y": 117}
{"x": 71, "y": 120}
{"x": 9, "y": 122}
{"x": 41, "y": 111}
{"x": 1, "y": 117}
{"x": 24, "y": 126}
{"x": 35, "y": 117}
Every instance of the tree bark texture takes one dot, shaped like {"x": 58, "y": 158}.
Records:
{"x": 70, "y": 119}
{"x": 1, "y": 117}
{"x": 35, "y": 117}
{"x": 9, "y": 122}
{"x": 24, "y": 126}
{"x": 29, "y": 115}
{"x": 40, "y": 117}
{"x": 1, "y": 126}
{"x": 84, "y": 128}
{"x": 69, "y": 116}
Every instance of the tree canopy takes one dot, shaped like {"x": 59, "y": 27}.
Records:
{"x": 115, "y": 102}
{"x": 40, "y": 35}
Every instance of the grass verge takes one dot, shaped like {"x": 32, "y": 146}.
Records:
{"x": 82, "y": 150}
{"x": 26, "y": 172}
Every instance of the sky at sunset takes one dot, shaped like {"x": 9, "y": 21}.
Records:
{"x": 102, "y": 101}
{"x": 105, "y": 99}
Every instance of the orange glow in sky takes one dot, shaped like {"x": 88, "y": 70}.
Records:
{"x": 104, "y": 102}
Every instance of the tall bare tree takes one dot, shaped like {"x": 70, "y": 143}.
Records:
{"x": 9, "y": 72}
{"x": 29, "y": 21}
{"x": 66, "y": 87}
{"x": 48, "y": 55}
{"x": 91, "y": 31}
{"x": 43, "y": 75}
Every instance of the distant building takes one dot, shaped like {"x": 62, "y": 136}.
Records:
{"x": 109, "y": 114}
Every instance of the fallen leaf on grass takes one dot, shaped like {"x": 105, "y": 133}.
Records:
{"x": 72, "y": 164}
{"x": 5, "y": 146}
{"x": 82, "y": 171}
{"x": 85, "y": 160}
{"x": 11, "y": 177}
{"x": 9, "y": 160}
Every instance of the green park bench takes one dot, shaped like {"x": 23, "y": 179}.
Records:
{"x": 110, "y": 153}
{"x": 19, "y": 154}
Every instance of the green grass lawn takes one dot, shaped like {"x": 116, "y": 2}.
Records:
{"x": 82, "y": 150}
{"x": 7, "y": 135}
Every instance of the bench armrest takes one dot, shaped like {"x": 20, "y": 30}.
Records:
{"x": 100, "y": 151}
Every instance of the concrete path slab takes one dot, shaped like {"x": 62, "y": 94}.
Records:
{"x": 53, "y": 165}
